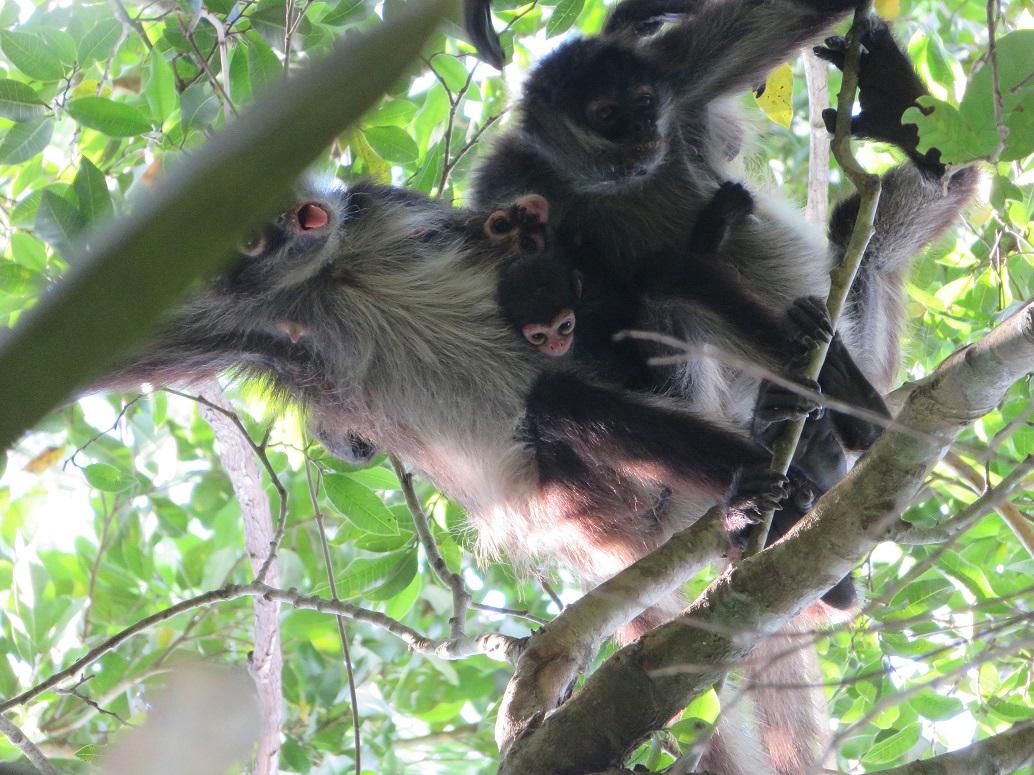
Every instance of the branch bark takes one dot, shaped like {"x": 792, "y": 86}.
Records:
{"x": 646, "y": 683}
{"x": 235, "y": 452}
{"x": 27, "y": 747}
{"x": 558, "y": 653}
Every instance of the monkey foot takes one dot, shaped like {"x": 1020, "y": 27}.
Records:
{"x": 521, "y": 227}
{"x": 757, "y": 489}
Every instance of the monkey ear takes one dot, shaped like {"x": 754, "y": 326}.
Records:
{"x": 576, "y": 284}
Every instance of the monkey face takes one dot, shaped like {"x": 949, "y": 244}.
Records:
{"x": 555, "y": 338}
{"x": 601, "y": 113}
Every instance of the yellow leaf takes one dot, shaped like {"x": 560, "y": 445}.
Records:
{"x": 44, "y": 460}
{"x": 777, "y": 99}
{"x": 888, "y": 9}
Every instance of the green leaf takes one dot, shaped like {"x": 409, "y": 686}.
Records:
{"x": 99, "y": 42}
{"x": 19, "y": 102}
{"x": 240, "y": 78}
{"x": 57, "y": 221}
{"x": 28, "y": 251}
{"x": 92, "y": 192}
{"x": 392, "y": 113}
{"x": 451, "y": 71}
{"x": 59, "y": 43}
{"x": 31, "y": 54}
{"x": 115, "y": 119}
{"x": 264, "y": 68}
{"x": 929, "y": 704}
{"x": 564, "y": 16}
{"x": 893, "y": 746}
{"x": 369, "y": 573}
{"x": 24, "y": 140}
{"x": 399, "y": 577}
{"x": 402, "y": 603}
{"x": 159, "y": 87}
{"x": 199, "y": 106}
{"x": 392, "y": 144}
{"x": 18, "y": 280}
{"x": 359, "y": 505}
{"x": 107, "y": 478}
{"x": 343, "y": 11}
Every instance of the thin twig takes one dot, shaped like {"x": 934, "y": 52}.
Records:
{"x": 260, "y": 453}
{"x": 996, "y": 83}
{"x": 341, "y": 629}
{"x": 203, "y": 62}
{"x": 460, "y": 596}
{"x": 134, "y": 24}
{"x": 27, "y": 747}
{"x": 842, "y": 276}
{"x": 74, "y": 692}
{"x": 494, "y": 645}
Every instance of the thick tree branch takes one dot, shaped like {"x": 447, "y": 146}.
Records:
{"x": 558, "y": 653}
{"x": 235, "y": 449}
{"x": 27, "y": 747}
{"x": 645, "y": 684}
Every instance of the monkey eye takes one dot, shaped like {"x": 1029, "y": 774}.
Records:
{"x": 566, "y": 327}
{"x": 537, "y": 338}
{"x": 644, "y": 100}
{"x": 253, "y": 244}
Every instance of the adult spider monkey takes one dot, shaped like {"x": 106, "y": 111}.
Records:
{"x": 628, "y": 139}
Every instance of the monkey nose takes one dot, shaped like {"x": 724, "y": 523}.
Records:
{"x": 312, "y": 216}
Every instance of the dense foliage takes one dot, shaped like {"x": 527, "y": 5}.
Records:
{"x": 116, "y": 507}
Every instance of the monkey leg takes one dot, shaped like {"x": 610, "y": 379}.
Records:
{"x": 842, "y": 379}
{"x": 648, "y": 437}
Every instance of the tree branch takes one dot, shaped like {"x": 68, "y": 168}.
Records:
{"x": 558, "y": 653}
{"x": 643, "y": 680}
{"x": 818, "y": 138}
{"x": 497, "y": 646}
{"x": 27, "y": 747}
{"x": 237, "y": 453}
{"x": 842, "y": 276}
{"x": 460, "y": 596}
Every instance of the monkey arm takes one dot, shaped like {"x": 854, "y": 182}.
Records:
{"x": 841, "y": 378}
{"x": 728, "y": 46}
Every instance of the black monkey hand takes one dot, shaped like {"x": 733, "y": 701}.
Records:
{"x": 887, "y": 86}
{"x": 732, "y": 202}
{"x": 756, "y": 489}
{"x": 776, "y": 403}
{"x": 809, "y": 323}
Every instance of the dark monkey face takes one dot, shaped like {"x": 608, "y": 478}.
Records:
{"x": 600, "y": 111}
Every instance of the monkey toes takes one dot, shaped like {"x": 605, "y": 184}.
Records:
{"x": 521, "y": 227}
{"x": 757, "y": 489}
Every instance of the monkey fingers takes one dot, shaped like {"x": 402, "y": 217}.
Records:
{"x": 777, "y": 403}
{"x": 810, "y": 320}
{"x": 756, "y": 489}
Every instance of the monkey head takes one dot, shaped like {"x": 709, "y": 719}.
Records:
{"x": 539, "y": 297}
{"x": 600, "y": 111}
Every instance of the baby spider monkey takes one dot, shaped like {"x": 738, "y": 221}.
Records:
{"x": 541, "y": 295}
